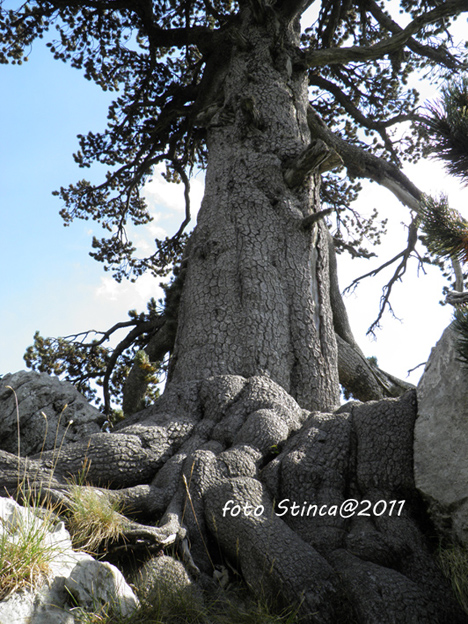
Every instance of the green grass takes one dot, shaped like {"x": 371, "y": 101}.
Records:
{"x": 92, "y": 519}
{"x": 233, "y": 605}
{"x": 25, "y": 553}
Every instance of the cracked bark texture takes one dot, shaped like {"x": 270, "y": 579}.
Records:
{"x": 256, "y": 297}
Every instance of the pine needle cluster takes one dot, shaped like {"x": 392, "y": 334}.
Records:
{"x": 460, "y": 325}
{"x": 445, "y": 234}
{"x": 448, "y": 127}
{"x": 445, "y": 231}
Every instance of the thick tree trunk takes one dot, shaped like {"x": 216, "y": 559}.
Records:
{"x": 256, "y": 297}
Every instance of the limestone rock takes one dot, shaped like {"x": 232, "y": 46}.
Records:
{"x": 94, "y": 583}
{"x": 441, "y": 438}
{"x": 39, "y": 394}
{"x": 69, "y": 573}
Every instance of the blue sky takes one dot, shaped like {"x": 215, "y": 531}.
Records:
{"x": 42, "y": 108}
{"x": 50, "y": 283}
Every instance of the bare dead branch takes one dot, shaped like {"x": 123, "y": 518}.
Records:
{"x": 105, "y": 335}
{"x": 397, "y": 275}
{"x": 374, "y": 272}
{"x": 186, "y": 182}
{"x": 309, "y": 221}
{"x": 364, "y": 379}
{"x": 411, "y": 370}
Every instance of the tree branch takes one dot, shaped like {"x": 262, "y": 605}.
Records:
{"x": 364, "y": 380}
{"x": 398, "y": 274}
{"x": 438, "y": 55}
{"x": 142, "y": 328}
{"x": 456, "y": 298}
{"x": 186, "y": 182}
{"x": 353, "y": 110}
{"x": 361, "y": 164}
{"x": 158, "y": 37}
{"x": 316, "y": 156}
{"x": 332, "y": 13}
{"x": 136, "y": 384}
{"x": 458, "y": 273}
{"x": 212, "y": 11}
{"x": 291, "y": 9}
{"x": 105, "y": 335}
{"x": 359, "y": 376}
{"x": 342, "y": 56}
{"x": 309, "y": 221}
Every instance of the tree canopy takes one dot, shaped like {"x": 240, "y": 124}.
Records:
{"x": 159, "y": 58}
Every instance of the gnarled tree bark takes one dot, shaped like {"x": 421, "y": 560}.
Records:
{"x": 256, "y": 298}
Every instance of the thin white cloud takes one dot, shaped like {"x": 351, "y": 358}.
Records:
{"x": 109, "y": 289}
{"x": 168, "y": 198}
{"x": 129, "y": 295}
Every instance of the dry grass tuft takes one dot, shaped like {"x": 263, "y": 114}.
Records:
{"x": 93, "y": 520}
{"x": 25, "y": 551}
{"x": 454, "y": 563}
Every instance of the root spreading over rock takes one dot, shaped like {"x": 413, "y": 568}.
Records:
{"x": 310, "y": 508}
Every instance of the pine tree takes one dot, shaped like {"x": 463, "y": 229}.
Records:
{"x": 256, "y": 329}
{"x": 445, "y": 230}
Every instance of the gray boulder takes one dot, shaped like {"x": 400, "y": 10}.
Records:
{"x": 441, "y": 438}
{"x": 92, "y": 584}
{"x": 49, "y": 410}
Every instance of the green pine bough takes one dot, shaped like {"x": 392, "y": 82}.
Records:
{"x": 445, "y": 233}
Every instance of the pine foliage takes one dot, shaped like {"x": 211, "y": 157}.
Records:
{"x": 448, "y": 126}
{"x": 460, "y": 325}
{"x": 445, "y": 231}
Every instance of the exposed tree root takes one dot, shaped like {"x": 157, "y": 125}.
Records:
{"x": 230, "y": 469}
